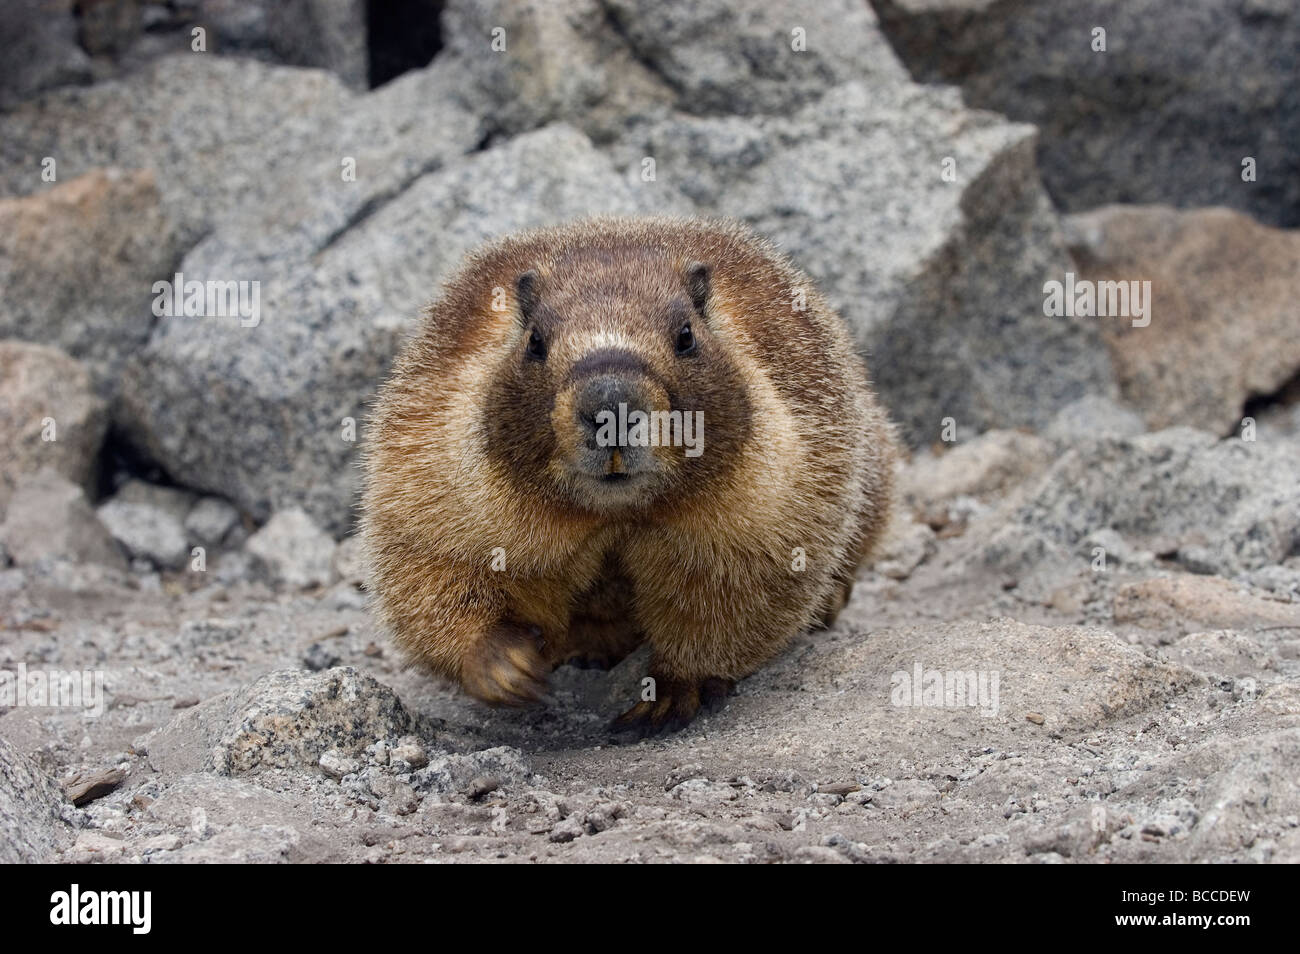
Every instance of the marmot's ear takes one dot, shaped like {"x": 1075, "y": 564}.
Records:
{"x": 697, "y": 284}
{"x": 526, "y": 293}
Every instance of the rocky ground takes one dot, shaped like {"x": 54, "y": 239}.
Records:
{"x": 1141, "y": 711}
{"x": 1098, "y": 524}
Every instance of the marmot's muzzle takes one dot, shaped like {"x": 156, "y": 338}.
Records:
{"x": 612, "y": 390}
{"x": 606, "y": 399}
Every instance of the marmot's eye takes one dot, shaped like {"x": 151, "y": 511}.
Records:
{"x": 536, "y": 346}
{"x": 685, "y": 339}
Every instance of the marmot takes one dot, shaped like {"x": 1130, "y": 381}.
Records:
{"x": 516, "y": 517}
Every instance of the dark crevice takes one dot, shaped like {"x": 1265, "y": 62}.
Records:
{"x": 1288, "y": 395}
{"x": 377, "y": 202}
{"x": 620, "y": 30}
{"x": 401, "y": 35}
{"x": 120, "y": 460}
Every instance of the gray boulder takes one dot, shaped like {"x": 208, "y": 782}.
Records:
{"x": 1094, "y": 417}
{"x": 1222, "y": 309}
{"x": 48, "y": 518}
{"x": 148, "y": 522}
{"x": 1223, "y": 507}
{"x": 770, "y": 57}
{"x": 176, "y": 502}
{"x": 39, "y": 38}
{"x": 281, "y": 420}
{"x": 334, "y": 35}
{"x": 329, "y": 34}
{"x": 200, "y": 122}
{"x": 267, "y": 205}
{"x": 286, "y": 719}
{"x": 942, "y": 281}
{"x": 293, "y": 550}
{"x": 502, "y": 765}
{"x": 45, "y": 394}
{"x": 598, "y": 63}
{"x": 1185, "y": 90}
{"x": 562, "y": 62}
{"x": 210, "y": 520}
{"x": 77, "y": 263}
{"x": 31, "y": 811}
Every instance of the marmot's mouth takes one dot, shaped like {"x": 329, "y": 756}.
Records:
{"x": 615, "y": 477}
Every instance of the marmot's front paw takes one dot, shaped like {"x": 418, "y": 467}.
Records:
{"x": 506, "y": 667}
{"x": 677, "y": 702}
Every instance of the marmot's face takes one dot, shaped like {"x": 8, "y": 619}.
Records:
{"x": 616, "y": 387}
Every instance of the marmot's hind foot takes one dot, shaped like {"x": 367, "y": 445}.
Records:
{"x": 676, "y": 704}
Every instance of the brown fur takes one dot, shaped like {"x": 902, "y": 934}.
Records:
{"x": 470, "y": 449}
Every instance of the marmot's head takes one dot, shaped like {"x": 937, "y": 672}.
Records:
{"x": 616, "y": 386}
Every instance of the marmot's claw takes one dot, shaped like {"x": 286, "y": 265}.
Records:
{"x": 506, "y": 668}
{"x": 678, "y": 702}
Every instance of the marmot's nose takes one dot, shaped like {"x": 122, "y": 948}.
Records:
{"x": 605, "y": 393}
